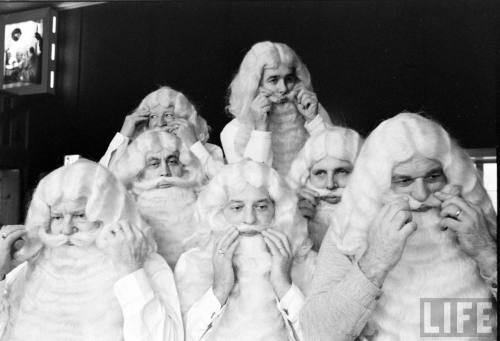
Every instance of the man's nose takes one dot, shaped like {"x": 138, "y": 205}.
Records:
{"x": 420, "y": 191}
{"x": 68, "y": 227}
{"x": 249, "y": 216}
{"x": 331, "y": 182}
{"x": 165, "y": 169}
{"x": 281, "y": 86}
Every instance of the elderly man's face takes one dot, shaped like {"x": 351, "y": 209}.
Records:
{"x": 251, "y": 206}
{"x": 162, "y": 164}
{"x": 162, "y": 116}
{"x": 279, "y": 81}
{"x": 330, "y": 173}
{"x": 418, "y": 177}
{"x": 68, "y": 218}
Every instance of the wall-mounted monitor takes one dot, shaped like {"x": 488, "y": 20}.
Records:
{"x": 28, "y": 51}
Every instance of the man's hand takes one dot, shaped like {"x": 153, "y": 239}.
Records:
{"x": 307, "y": 104}
{"x": 260, "y": 109}
{"x": 281, "y": 254}
{"x": 120, "y": 242}
{"x": 132, "y": 120}
{"x": 386, "y": 240}
{"x": 222, "y": 261}
{"x": 185, "y": 131}
{"x": 9, "y": 243}
{"x": 307, "y": 202}
{"x": 469, "y": 224}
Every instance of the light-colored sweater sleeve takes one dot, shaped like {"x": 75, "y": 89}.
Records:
{"x": 150, "y": 304}
{"x": 210, "y": 157}
{"x": 258, "y": 147}
{"x": 115, "y": 149}
{"x": 341, "y": 299}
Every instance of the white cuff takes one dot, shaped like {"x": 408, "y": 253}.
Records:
{"x": 259, "y": 146}
{"x": 291, "y": 303}
{"x": 211, "y": 303}
{"x": 117, "y": 140}
{"x": 134, "y": 287}
{"x": 315, "y": 124}
{"x": 199, "y": 150}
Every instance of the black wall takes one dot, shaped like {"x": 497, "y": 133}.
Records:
{"x": 369, "y": 61}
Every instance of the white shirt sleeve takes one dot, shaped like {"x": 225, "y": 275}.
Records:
{"x": 117, "y": 146}
{"x": 316, "y": 125}
{"x": 258, "y": 147}
{"x": 289, "y": 306}
{"x": 210, "y": 157}
{"x": 149, "y": 302}
{"x": 201, "y": 316}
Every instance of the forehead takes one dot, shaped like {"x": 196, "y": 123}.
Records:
{"x": 69, "y": 205}
{"x": 416, "y": 166}
{"x": 330, "y": 162}
{"x": 163, "y": 153}
{"x": 281, "y": 70}
{"x": 248, "y": 193}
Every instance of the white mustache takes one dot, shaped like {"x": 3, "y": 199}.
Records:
{"x": 146, "y": 185}
{"x": 78, "y": 239}
{"x": 415, "y": 205}
{"x": 251, "y": 229}
{"x": 323, "y": 192}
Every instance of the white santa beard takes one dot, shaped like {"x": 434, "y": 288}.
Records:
{"x": 320, "y": 223}
{"x": 288, "y": 135}
{"x": 432, "y": 266}
{"x": 169, "y": 211}
{"x": 67, "y": 295}
{"x": 251, "y": 312}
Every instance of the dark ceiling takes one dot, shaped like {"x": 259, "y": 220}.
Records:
{"x": 17, "y": 6}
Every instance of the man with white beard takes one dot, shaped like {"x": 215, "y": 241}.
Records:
{"x": 246, "y": 281}
{"x": 164, "y": 177}
{"x": 416, "y": 218}
{"x": 319, "y": 174}
{"x": 171, "y": 111}
{"x": 91, "y": 271}
{"x": 274, "y": 108}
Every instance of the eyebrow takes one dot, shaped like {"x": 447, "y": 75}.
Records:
{"x": 265, "y": 200}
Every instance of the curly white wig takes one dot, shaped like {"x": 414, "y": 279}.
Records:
{"x": 263, "y": 55}
{"x": 183, "y": 108}
{"x": 130, "y": 166}
{"x": 394, "y": 141}
{"x": 107, "y": 202}
{"x": 214, "y": 198}
{"x": 338, "y": 142}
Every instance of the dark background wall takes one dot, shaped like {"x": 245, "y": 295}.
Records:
{"x": 369, "y": 61}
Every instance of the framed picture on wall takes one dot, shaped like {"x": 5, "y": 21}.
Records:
{"x": 28, "y": 47}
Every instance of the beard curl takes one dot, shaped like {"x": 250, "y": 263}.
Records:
{"x": 141, "y": 186}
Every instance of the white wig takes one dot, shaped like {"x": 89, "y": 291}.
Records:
{"x": 263, "y": 55}
{"x": 338, "y": 142}
{"x": 393, "y": 142}
{"x": 131, "y": 164}
{"x": 183, "y": 108}
{"x": 107, "y": 202}
{"x": 215, "y": 196}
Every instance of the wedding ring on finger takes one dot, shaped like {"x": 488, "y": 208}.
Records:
{"x": 4, "y": 235}
{"x": 458, "y": 213}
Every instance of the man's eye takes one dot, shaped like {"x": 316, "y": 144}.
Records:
{"x": 343, "y": 171}
{"x": 290, "y": 79}
{"x": 79, "y": 215}
{"x": 273, "y": 80}
{"x": 434, "y": 176}
{"x": 154, "y": 163}
{"x": 56, "y": 217}
{"x": 173, "y": 162}
{"x": 236, "y": 208}
{"x": 403, "y": 182}
{"x": 319, "y": 172}
{"x": 153, "y": 116}
{"x": 261, "y": 207}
